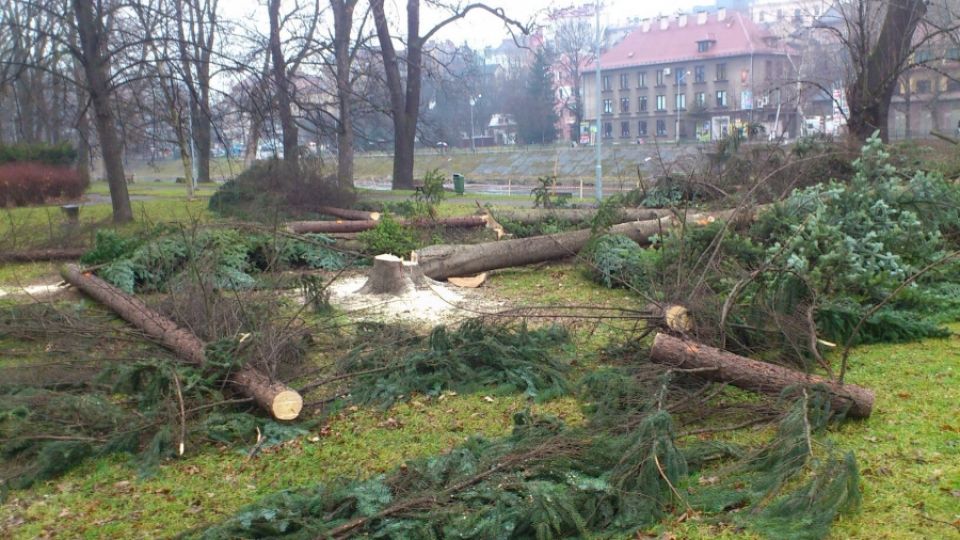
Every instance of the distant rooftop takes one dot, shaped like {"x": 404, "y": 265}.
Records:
{"x": 690, "y": 37}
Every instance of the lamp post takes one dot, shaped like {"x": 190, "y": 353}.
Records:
{"x": 473, "y": 102}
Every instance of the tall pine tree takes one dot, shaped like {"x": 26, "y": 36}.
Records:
{"x": 537, "y": 115}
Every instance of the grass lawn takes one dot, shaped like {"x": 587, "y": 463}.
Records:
{"x": 908, "y": 451}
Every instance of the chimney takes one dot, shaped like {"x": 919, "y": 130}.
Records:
{"x": 664, "y": 23}
{"x": 682, "y": 20}
{"x": 645, "y": 25}
{"x": 721, "y": 14}
{"x": 701, "y": 17}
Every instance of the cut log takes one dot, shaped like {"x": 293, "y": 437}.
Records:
{"x": 55, "y": 254}
{"x": 672, "y": 316}
{"x": 346, "y": 213}
{"x": 281, "y": 401}
{"x": 444, "y": 261}
{"x": 304, "y": 227}
{"x": 577, "y": 215}
{"x": 761, "y": 377}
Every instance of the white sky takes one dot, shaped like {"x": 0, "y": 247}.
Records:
{"x": 479, "y": 28}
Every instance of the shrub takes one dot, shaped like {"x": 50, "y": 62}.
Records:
{"x": 62, "y": 154}
{"x": 388, "y": 236}
{"x": 23, "y": 183}
{"x": 271, "y": 188}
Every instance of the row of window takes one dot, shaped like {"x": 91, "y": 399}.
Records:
{"x": 680, "y": 102}
{"x": 679, "y": 74}
{"x": 641, "y": 129}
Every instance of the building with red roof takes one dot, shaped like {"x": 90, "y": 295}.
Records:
{"x": 698, "y": 76}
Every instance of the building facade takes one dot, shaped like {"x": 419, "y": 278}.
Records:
{"x": 694, "y": 77}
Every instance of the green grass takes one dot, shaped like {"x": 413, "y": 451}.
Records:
{"x": 105, "y": 498}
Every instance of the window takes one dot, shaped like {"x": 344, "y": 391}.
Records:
{"x": 704, "y": 45}
{"x": 661, "y": 103}
{"x": 624, "y": 81}
{"x": 642, "y": 128}
{"x": 923, "y": 86}
{"x": 721, "y": 72}
{"x": 624, "y": 104}
{"x": 953, "y": 85}
{"x": 679, "y": 76}
{"x": 659, "y": 77}
{"x": 625, "y": 130}
{"x": 606, "y": 83}
{"x": 699, "y": 74}
{"x": 953, "y": 53}
{"x": 721, "y": 98}
{"x": 608, "y": 106}
{"x": 661, "y": 128}
{"x": 642, "y": 79}
{"x": 681, "y": 102}
{"x": 700, "y": 99}
{"x": 768, "y": 72}
{"x": 607, "y": 130}
{"x": 643, "y": 104}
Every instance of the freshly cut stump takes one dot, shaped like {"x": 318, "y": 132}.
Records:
{"x": 762, "y": 377}
{"x": 387, "y": 277}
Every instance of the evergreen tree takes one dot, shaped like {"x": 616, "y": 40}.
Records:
{"x": 537, "y": 115}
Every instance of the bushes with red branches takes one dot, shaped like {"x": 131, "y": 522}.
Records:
{"x": 23, "y": 183}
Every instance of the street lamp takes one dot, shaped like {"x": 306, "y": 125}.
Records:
{"x": 473, "y": 101}
{"x": 677, "y": 104}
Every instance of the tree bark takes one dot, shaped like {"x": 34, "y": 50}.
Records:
{"x": 61, "y": 254}
{"x": 281, "y": 81}
{"x": 387, "y": 277}
{"x": 443, "y": 261}
{"x": 346, "y": 213}
{"x": 96, "y": 65}
{"x": 761, "y": 377}
{"x": 304, "y": 227}
{"x": 342, "y": 29}
{"x": 872, "y": 89}
{"x": 577, "y": 215}
{"x": 282, "y": 402}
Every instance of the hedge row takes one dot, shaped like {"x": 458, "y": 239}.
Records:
{"x": 61, "y": 154}
{"x": 24, "y": 183}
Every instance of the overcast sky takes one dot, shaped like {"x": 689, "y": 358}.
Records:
{"x": 480, "y": 29}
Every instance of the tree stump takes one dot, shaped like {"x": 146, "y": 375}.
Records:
{"x": 388, "y": 276}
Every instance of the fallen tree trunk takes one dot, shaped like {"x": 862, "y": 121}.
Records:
{"x": 304, "y": 227}
{"x": 54, "y": 254}
{"x": 762, "y": 377}
{"x": 346, "y": 213}
{"x": 578, "y": 215}
{"x": 282, "y": 402}
{"x": 443, "y": 261}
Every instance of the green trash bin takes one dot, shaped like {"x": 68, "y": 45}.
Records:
{"x": 459, "y": 184}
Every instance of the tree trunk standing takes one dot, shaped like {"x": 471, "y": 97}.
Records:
{"x": 281, "y": 81}
{"x": 404, "y": 104}
{"x": 82, "y": 123}
{"x": 96, "y": 69}
{"x": 282, "y": 402}
{"x": 870, "y": 94}
{"x": 342, "y": 29}
{"x": 195, "y": 52}
{"x": 762, "y": 377}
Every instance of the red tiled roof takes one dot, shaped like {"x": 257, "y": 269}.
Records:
{"x": 735, "y": 35}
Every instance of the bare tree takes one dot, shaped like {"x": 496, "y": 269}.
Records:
{"x": 284, "y": 69}
{"x": 196, "y": 29}
{"x": 93, "y": 19}
{"x": 405, "y": 96}
{"x": 882, "y": 39}
{"x": 344, "y": 56}
{"x": 574, "y": 37}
